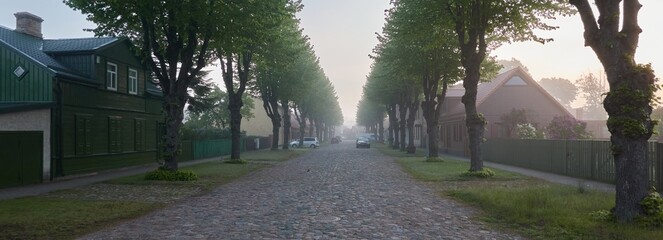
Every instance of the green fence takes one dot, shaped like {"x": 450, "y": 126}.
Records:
{"x": 200, "y": 149}
{"x": 587, "y": 159}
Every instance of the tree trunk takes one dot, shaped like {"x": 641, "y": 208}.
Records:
{"x": 235, "y": 97}
{"x": 393, "y": 124}
{"x": 390, "y": 129}
{"x": 626, "y": 107}
{"x": 235, "y": 106}
{"x": 271, "y": 107}
{"x": 381, "y": 131}
{"x": 402, "y": 110}
{"x": 431, "y": 118}
{"x": 628, "y": 103}
{"x": 310, "y": 129}
{"x": 474, "y": 121}
{"x": 286, "y": 124}
{"x": 412, "y": 114}
{"x": 318, "y": 130}
{"x": 431, "y": 107}
{"x": 301, "y": 119}
{"x": 174, "y": 115}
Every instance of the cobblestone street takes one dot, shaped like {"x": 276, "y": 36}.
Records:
{"x": 333, "y": 192}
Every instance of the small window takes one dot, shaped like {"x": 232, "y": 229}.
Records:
{"x": 516, "y": 81}
{"x": 133, "y": 81}
{"x": 111, "y": 76}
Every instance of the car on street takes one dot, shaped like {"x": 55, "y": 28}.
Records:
{"x": 311, "y": 142}
{"x": 335, "y": 140}
{"x": 363, "y": 142}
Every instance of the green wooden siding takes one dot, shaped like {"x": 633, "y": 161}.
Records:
{"x": 115, "y": 129}
{"x": 20, "y": 158}
{"x": 84, "y": 96}
{"x": 79, "y": 165}
{"x": 35, "y": 86}
{"x": 83, "y": 64}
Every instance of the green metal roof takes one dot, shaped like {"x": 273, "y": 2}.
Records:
{"x": 38, "y": 49}
{"x": 76, "y": 45}
{"x": 30, "y": 46}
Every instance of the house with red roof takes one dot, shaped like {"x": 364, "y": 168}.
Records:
{"x": 513, "y": 89}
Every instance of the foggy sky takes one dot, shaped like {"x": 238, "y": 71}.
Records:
{"x": 343, "y": 34}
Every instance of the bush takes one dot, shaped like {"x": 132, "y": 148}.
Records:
{"x": 652, "y": 205}
{"x": 236, "y": 161}
{"x": 602, "y": 215}
{"x": 564, "y": 127}
{"x": 433, "y": 159}
{"x": 161, "y": 174}
{"x": 484, "y": 173}
{"x": 528, "y": 131}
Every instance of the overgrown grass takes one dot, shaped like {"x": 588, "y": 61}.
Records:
{"x": 44, "y": 218}
{"x": 67, "y": 214}
{"x": 531, "y": 207}
{"x": 386, "y": 149}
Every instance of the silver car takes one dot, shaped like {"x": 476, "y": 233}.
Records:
{"x": 311, "y": 142}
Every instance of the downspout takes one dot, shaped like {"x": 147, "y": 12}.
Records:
{"x": 56, "y": 139}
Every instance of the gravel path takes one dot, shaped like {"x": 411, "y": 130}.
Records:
{"x": 334, "y": 192}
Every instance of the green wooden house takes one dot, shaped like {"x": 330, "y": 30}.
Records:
{"x": 72, "y": 106}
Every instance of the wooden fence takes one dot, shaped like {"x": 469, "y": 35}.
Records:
{"x": 586, "y": 159}
{"x": 200, "y": 149}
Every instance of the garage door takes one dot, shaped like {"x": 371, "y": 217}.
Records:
{"x": 20, "y": 158}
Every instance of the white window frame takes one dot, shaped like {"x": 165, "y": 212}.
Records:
{"x": 132, "y": 81}
{"x": 111, "y": 76}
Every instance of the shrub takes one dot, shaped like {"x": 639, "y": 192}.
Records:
{"x": 484, "y": 173}
{"x": 433, "y": 159}
{"x": 652, "y": 205}
{"x": 528, "y": 131}
{"x": 161, "y": 174}
{"x": 602, "y": 215}
{"x": 236, "y": 161}
{"x": 564, "y": 127}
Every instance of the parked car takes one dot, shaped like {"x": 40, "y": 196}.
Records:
{"x": 363, "y": 142}
{"x": 294, "y": 143}
{"x": 370, "y": 136}
{"x": 311, "y": 142}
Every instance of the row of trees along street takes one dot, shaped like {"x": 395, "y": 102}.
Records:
{"x": 427, "y": 45}
{"x": 258, "y": 46}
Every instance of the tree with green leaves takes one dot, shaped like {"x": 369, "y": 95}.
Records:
{"x": 212, "y": 111}
{"x": 432, "y": 56}
{"x": 507, "y": 65}
{"x": 592, "y": 89}
{"x": 239, "y": 39}
{"x": 561, "y": 89}
{"x": 278, "y": 74}
{"x": 614, "y": 38}
{"x": 172, "y": 38}
{"x": 483, "y": 25}
{"x": 511, "y": 120}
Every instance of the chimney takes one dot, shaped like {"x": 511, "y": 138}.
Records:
{"x": 28, "y": 23}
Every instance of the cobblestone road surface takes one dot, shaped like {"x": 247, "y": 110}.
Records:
{"x": 334, "y": 192}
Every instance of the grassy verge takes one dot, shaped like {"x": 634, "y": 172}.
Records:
{"x": 71, "y": 213}
{"x": 533, "y": 208}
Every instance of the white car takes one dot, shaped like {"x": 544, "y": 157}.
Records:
{"x": 311, "y": 142}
